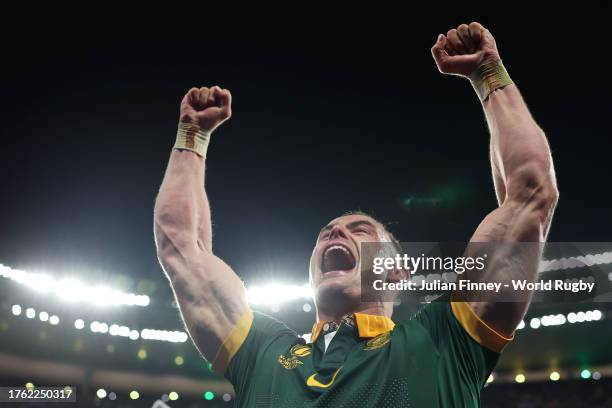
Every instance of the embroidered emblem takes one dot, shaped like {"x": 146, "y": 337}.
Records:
{"x": 300, "y": 350}
{"x": 296, "y": 352}
{"x": 378, "y": 341}
{"x": 313, "y": 382}
{"x": 289, "y": 363}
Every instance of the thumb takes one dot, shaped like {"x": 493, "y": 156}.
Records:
{"x": 456, "y": 64}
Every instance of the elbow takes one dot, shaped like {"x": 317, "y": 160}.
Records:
{"x": 171, "y": 243}
{"x": 177, "y": 258}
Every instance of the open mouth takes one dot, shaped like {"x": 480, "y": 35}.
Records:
{"x": 337, "y": 258}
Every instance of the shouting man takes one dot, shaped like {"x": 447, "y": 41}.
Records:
{"x": 357, "y": 356}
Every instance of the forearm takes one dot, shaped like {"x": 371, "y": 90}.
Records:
{"x": 520, "y": 156}
{"x": 182, "y": 213}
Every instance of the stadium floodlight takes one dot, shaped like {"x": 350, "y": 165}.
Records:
{"x": 173, "y": 336}
{"x": 101, "y": 393}
{"x": 520, "y": 378}
{"x": 72, "y": 290}
{"x": 164, "y": 335}
{"x": 593, "y": 315}
{"x": 553, "y": 320}
{"x": 173, "y": 396}
{"x": 554, "y": 376}
{"x": 43, "y": 316}
{"x": 277, "y": 293}
{"x": 134, "y": 395}
{"x": 16, "y": 309}
{"x": 575, "y": 262}
{"x": 560, "y": 319}
{"x": 30, "y": 313}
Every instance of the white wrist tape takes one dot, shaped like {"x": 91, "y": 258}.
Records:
{"x": 488, "y": 77}
{"x": 189, "y": 136}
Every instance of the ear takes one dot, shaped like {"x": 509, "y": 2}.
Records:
{"x": 397, "y": 275}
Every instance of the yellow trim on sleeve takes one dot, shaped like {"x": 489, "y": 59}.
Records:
{"x": 481, "y": 332}
{"x": 232, "y": 342}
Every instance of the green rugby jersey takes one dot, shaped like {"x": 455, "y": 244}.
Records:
{"x": 441, "y": 357}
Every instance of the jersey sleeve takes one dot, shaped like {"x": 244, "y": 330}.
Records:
{"x": 468, "y": 347}
{"x": 253, "y": 334}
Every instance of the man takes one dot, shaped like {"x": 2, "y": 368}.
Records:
{"x": 357, "y": 357}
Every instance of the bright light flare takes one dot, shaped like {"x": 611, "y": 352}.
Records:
{"x": 72, "y": 290}
{"x": 276, "y": 293}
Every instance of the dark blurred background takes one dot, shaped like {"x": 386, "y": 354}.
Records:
{"x": 333, "y": 111}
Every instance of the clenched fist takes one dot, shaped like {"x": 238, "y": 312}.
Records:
{"x": 206, "y": 107}
{"x": 463, "y": 49}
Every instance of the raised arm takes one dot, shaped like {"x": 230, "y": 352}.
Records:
{"x": 210, "y": 295}
{"x": 522, "y": 167}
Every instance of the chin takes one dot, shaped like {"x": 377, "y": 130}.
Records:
{"x": 337, "y": 286}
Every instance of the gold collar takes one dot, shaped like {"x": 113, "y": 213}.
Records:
{"x": 368, "y": 326}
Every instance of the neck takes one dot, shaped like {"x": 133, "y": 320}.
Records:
{"x": 375, "y": 308}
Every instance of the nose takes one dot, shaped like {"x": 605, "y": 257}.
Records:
{"x": 337, "y": 232}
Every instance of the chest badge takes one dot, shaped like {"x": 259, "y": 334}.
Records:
{"x": 295, "y": 353}
{"x": 378, "y": 341}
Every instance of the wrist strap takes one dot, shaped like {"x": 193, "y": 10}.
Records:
{"x": 189, "y": 136}
{"x": 489, "y": 76}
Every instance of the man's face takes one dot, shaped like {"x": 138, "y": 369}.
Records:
{"x": 334, "y": 264}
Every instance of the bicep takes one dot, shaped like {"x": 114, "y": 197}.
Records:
{"x": 512, "y": 235}
{"x": 211, "y": 298}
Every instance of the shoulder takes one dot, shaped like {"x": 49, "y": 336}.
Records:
{"x": 448, "y": 317}
{"x": 253, "y": 334}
